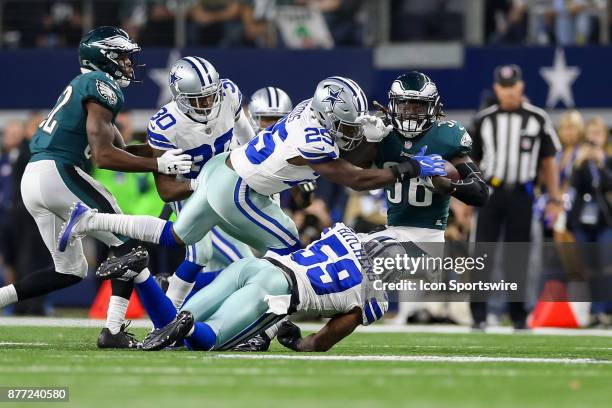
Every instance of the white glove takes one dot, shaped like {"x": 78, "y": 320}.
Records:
{"x": 374, "y": 129}
{"x": 173, "y": 162}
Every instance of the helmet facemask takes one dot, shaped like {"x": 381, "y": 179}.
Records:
{"x": 347, "y": 135}
{"x": 127, "y": 64}
{"x": 204, "y": 106}
{"x": 412, "y": 116}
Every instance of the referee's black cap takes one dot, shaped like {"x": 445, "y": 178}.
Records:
{"x": 507, "y": 75}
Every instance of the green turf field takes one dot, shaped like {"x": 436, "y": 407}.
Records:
{"x": 39, "y": 356}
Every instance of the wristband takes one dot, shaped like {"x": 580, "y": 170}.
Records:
{"x": 193, "y": 184}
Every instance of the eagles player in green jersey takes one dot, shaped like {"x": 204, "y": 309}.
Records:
{"x": 80, "y": 126}
{"x": 418, "y": 207}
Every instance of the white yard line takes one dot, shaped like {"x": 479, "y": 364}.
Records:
{"x": 17, "y": 343}
{"x": 377, "y": 328}
{"x": 437, "y": 359}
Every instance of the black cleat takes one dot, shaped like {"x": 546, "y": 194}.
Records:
{"x": 173, "y": 332}
{"x": 121, "y": 340}
{"x": 260, "y": 342}
{"x": 124, "y": 267}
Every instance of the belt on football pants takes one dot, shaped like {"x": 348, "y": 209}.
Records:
{"x": 293, "y": 287}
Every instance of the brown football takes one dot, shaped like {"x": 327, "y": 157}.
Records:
{"x": 451, "y": 172}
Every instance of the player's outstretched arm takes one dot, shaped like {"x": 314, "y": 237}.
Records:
{"x": 335, "y": 330}
{"x": 101, "y": 136}
{"x": 342, "y": 172}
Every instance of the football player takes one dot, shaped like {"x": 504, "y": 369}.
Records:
{"x": 234, "y": 188}
{"x": 267, "y": 106}
{"x": 204, "y": 117}
{"x": 418, "y": 207}
{"x": 79, "y": 127}
{"x": 332, "y": 277}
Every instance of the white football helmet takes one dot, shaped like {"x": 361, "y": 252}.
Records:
{"x": 337, "y": 103}
{"x": 196, "y": 88}
{"x": 268, "y": 103}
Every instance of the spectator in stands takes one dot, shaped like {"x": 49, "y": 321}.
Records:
{"x": 9, "y": 152}
{"x": 256, "y": 18}
{"x": 571, "y": 134}
{"x": 215, "y": 23}
{"x": 505, "y": 21}
{"x": 158, "y": 28}
{"x": 62, "y": 25}
{"x": 418, "y": 20}
{"x": 591, "y": 215}
{"x": 341, "y": 18}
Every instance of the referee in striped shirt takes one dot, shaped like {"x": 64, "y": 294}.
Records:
{"x": 515, "y": 144}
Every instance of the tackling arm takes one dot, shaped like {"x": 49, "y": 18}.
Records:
{"x": 142, "y": 150}
{"x": 243, "y": 131}
{"x": 471, "y": 189}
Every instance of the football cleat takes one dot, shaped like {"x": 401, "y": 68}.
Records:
{"x": 260, "y": 342}
{"x": 121, "y": 340}
{"x": 79, "y": 212}
{"x": 124, "y": 267}
{"x": 172, "y": 333}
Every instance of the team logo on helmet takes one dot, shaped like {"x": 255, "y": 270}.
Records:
{"x": 116, "y": 42}
{"x": 106, "y": 92}
{"x": 174, "y": 78}
{"x": 333, "y": 97}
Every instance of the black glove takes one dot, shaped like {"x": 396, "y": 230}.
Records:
{"x": 409, "y": 168}
{"x": 289, "y": 335}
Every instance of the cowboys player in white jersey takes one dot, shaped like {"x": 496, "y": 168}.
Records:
{"x": 204, "y": 117}
{"x": 332, "y": 277}
{"x": 234, "y": 190}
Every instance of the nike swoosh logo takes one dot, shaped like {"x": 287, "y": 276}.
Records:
{"x": 321, "y": 149}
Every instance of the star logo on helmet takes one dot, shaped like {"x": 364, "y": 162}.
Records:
{"x": 174, "y": 78}
{"x": 333, "y": 97}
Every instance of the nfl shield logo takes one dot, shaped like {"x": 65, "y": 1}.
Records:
{"x": 407, "y": 144}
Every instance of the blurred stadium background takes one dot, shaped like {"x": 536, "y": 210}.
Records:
{"x": 561, "y": 46}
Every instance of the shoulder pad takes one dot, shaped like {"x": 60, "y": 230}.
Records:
{"x": 101, "y": 88}
{"x": 161, "y": 131}
{"x": 231, "y": 91}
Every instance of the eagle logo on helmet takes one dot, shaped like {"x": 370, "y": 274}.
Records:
{"x": 333, "y": 97}
{"x": 116, "y": 42}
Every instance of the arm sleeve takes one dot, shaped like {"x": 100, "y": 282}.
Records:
{"x": 101, "y": 90}
{"x": 471, "y": 189}
{"x": 550, "y": 140}
{"x": 158, "y": 139}
{"x": 373, "y": 309}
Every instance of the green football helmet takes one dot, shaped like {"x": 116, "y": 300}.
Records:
{"x": 414, "y": 104}
{"x": 105, "y": 48}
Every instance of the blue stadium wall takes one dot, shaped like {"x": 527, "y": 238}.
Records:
{"x": 32, "y": 79}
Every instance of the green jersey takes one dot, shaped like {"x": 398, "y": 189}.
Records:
{"x": 62, "y": 136}
{"x": 410, "y": 203}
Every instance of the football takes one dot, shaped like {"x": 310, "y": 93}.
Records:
{"x": 451, "y": 172}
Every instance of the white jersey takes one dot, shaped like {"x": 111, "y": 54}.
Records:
{"x": 263, "y": 162}
{"x": 331, "y": 279}
{"x": 170, "y": 128}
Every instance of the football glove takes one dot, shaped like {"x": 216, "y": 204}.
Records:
{"x": 431, "y": 165}
{"x": 289, "y": 335}
{"x": 374, "y": 129}
{"x": 173, "y": 162}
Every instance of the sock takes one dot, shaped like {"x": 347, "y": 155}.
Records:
{"x": 142, "y": 276}
{"x": 202, "y": 280}
{"x": 272, "y": 331}
{"x": 116, "y": 313}
{"x": 156, "y": 303}
{"x": 8, "y": 296}
{"x": 43, "y": 282}
{"x": 182, "y": 283}
{"x": 202, "y": 337}
{"x": 140, "y": 227}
